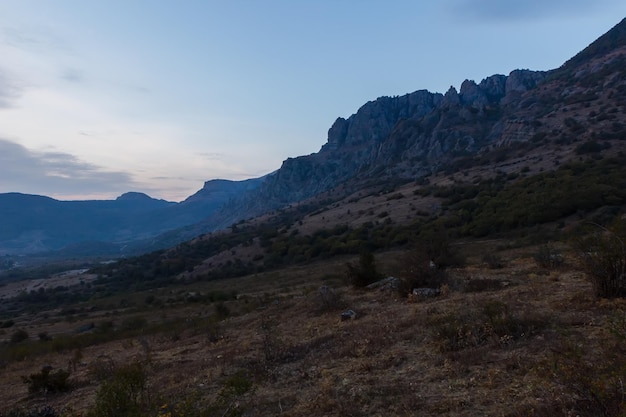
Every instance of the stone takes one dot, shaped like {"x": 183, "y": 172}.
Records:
{"x": 348, "y": 315}
{"x": 389, "y": 283}
{"x": 426, "y": 292}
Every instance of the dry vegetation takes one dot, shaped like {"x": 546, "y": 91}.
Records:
{"x": 506, "y": 338}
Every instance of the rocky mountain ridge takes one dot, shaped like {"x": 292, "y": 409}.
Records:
{"x": 405, "y": 138}
{"x": 409, "y": 136}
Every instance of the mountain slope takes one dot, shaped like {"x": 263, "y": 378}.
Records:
{"x": 407, "y": 137}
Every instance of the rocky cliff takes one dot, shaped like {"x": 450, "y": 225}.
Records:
{"x": 409, "y": 136}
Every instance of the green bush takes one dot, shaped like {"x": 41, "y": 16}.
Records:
{"x": 425, "y": 264}
{"x": 124, "y": 394}
{"x": 603, "y": 258}
{"x": 47, "y": 381}
{"x": 6, "y": 324}
{"x": 548, "y": 257}
{"x": 493, "y": 261}
{"x": 365, "y": 272}
{"x": 493, "y": 323}
{"x": 19, "y": 336}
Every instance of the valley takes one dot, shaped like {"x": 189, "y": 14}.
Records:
{"x": 459, "y": 254}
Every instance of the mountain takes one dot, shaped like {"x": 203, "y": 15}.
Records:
{"x": 526, "y": 120}
{"x": 404, "y": 138}
{"x": 34, "y": 224}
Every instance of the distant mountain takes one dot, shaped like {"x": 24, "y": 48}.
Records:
{"x": 35, "y": 224}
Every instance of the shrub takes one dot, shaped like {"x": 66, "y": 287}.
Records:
{"x": 44, "y": 336}
{"x": 419, "y": 272}
{"x": 47, "y": 381}
{"x": 328, "y": 300}
{"x": 365, "y": 272}
{"x": 229, "y": 402}
{"x": 603, "y": 258}
{"x": 221, "y": 311}
{"x": 494, "y": 323}
{"x": 589, "y": 389}
{"x": 548, "y": 257}
{"x": 493, "y": 261}
{"x": 424, "y": 266}
{"x": 122, "y": 395}
{"x": 6, "y": 324}
{"x": 19, "y": 336}
{"x": 482, "y": 284}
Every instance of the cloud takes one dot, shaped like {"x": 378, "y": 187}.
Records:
{"x": 9, "y": 91}
{"x": 55, "y": 174}
{"x": 521, "y": 10}
{"x": 39, "y": 39}
{"x": 72, "y": 75}
{"x": 213, "y": 156}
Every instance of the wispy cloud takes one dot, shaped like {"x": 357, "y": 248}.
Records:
{"x": 213, "y": 156}
{"x": 521, "y": 10}
{"x": 39, "y": 39}
{"x": 73, "y": 75}
{"x": 9, "y": 90}
{"x": 55, "y": 173}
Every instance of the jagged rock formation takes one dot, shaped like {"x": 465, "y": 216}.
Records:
{"x": 412, "y": 135}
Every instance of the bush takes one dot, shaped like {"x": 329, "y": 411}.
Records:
{"x": 424, "y": 266}
{"x": 328, "y": 300}
{"x": 493, "y": 323}
{"x": 493, "y": 261}
{"x": 123, "y": 394}
{"x": 19, "y": 336}
{"x": 47, "y": 381}
{"x": 6, "y": 324}
{"x": 589, "y": 389}
{"x": 603, "y": 258}
{"x": 221, "y": 311}
{"x": 548, "y": 257}
{"x": 365, "y": 272}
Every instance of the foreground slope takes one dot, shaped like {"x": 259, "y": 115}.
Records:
{"x": 523, "y": 339}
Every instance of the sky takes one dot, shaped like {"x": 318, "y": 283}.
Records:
{"x": 98, "y": 98}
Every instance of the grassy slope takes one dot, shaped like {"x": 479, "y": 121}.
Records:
{"x": 534, "y": 341}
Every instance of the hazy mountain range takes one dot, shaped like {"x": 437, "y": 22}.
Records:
{"x": 388, "y": 140}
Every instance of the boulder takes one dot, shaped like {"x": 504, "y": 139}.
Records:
{"x": 348, "y": 315}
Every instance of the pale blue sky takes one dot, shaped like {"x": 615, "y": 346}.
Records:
{"x": 102, "y": 97}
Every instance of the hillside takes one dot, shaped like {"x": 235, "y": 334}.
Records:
{"x": 539, "y": 149}
{"x": 493, "y": 123}
{"x": 512, "y": 337}
{"x": 458, "y": 255}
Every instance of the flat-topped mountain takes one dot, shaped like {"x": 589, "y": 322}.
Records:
{"x": 34, "y": 224}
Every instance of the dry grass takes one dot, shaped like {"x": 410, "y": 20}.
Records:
{"x": 503, "y": 350}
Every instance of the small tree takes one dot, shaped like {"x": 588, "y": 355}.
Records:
{"x": 124, "y": 394}
{"x": 47, "y": 381}
{"x": 365, "y": 272}
{"x": 19, "y": 336}
{"x": 603, "y": 258}
{"x": 425, "y": 264}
